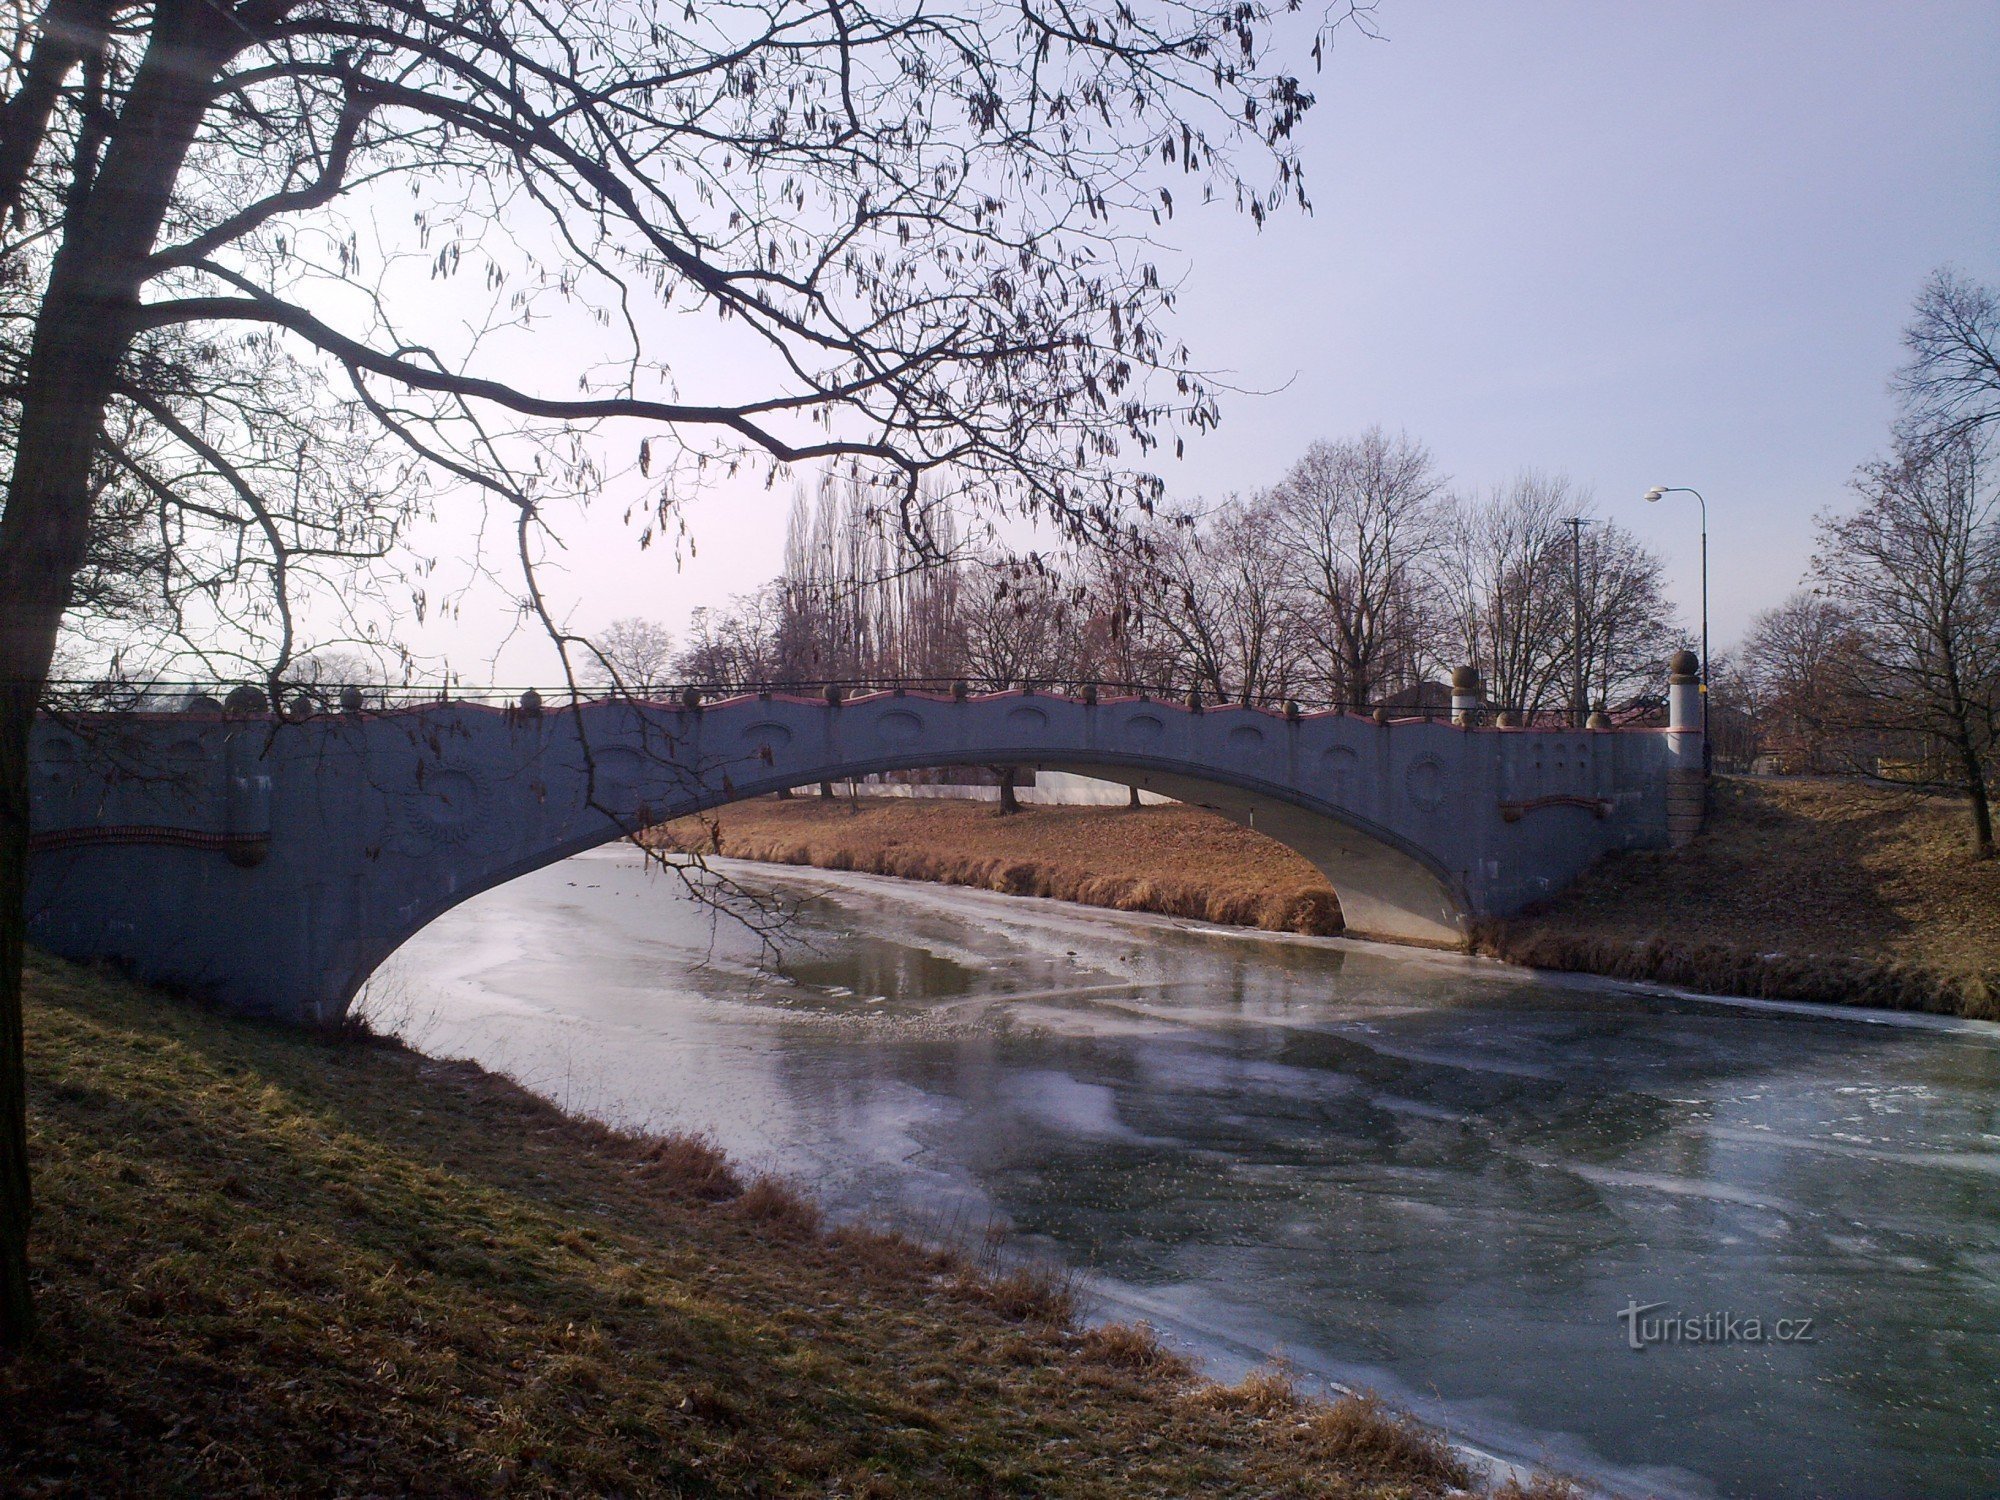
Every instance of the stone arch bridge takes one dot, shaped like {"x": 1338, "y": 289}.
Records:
{"x": 272, "y": 862}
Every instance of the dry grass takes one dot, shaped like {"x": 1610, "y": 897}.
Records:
{"x": 1798, "y": 890}
{"x": 278, "y": 1264}
{"x": 1356, "y": 1433}
{"x": 1179, "y": 861}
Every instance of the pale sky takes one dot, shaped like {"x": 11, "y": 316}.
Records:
{"x": 1639, "y": 243}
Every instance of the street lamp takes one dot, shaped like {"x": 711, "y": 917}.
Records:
{"x": 1580, "y": 698}
{"x": 1707, "y": 750}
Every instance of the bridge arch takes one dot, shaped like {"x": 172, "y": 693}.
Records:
{"x": 347, "y": 834}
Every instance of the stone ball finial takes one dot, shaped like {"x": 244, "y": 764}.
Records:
{"x": 1684, "y": 666}
{"x": 1503, "y": 721}
{"x": 832, "y": 694}
{"x": 961, "y": 690}
{"x": 1380, "y": 716}
{"x": 1090, "y": 695}
{"x": 350, "y": 699}
{"x": 1292, "y": 710}
{"x": 1465, "y": 682}
{"x": 245, "y": 700}
{"x": 200, "y": 703}
{"x": 691, "y": 699}
{"x": 531, "y": 703}
{"x": 1598, "y": 719}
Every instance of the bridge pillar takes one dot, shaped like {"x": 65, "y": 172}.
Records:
{"x": 1466, "y": 694}
{"x": 1687, "y": 774}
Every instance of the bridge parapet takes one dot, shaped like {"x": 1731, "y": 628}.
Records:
{"x": 274, "y": 862}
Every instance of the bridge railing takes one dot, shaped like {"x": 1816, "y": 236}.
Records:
{"x": 304, "y": 699}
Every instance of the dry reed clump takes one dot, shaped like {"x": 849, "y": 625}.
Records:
{"x": 1355, "y": 1431}
{"x": 1136, "y": 1348}
{"x": 1720, "y": 968}
{"x": 1306, "y": 911}
{"x": 1037, "y": 1294}
{"x": 1262, "y": 1393}
{"x": 690, "y": 1166}
{"x": 888, "y": 1253}
{"x": 1540, "y": 1486}
{"x": 1359, "y": 1433}
{"x": 779, "y": 1207}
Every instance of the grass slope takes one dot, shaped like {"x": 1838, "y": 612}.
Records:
{"x": 274, "y": 1263}
{"x": 1176, "y": 860}
{"x": 1797, "y": 890}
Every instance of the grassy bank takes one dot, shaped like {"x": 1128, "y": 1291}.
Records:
{"x": 1817, "y": 890}
{"x": 1178, "y": 861}
{"x": 278, "y": 1264}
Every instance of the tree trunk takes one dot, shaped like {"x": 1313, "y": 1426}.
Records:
{"x": 1009, "y": 803}
{"x": 82, "y": 330}
{"x": 1982, "y": 804}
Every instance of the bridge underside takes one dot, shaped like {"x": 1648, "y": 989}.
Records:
{"x": 273, "y": 866}
{"x": 1385, "y": 893}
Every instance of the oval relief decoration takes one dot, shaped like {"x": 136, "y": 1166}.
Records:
{"x": 1027, "y": 721}
{"x": 1144, "y": 730}
{"x": 1424, "y": 781}
{"x": 899, "y": 727}
{"x": 768, "y": 735}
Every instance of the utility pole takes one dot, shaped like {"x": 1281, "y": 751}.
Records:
{"x": 1580, "y": 700}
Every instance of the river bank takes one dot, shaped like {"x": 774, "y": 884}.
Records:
{"x": 1173, "y": 860}
{"x": 1808, "y": 890}
{"x": 272, "y": 1262}
{"x": 1798, "y": 889}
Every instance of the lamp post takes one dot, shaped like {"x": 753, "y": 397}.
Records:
{"x": 1580, "y": 695}
{"x": 1653, "y": 495}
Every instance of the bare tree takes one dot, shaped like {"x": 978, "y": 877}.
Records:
{"x": 1951, "y": 382}
{"x": 1363, "y": 521}
{"x": 911, "y": 229}
{"x": 1513, "y": 585}
{"x": 1798, "y": 665}
{"x": 1178, "y": 591}
{"x": 1018, "y": 623}
{"x": 632, "y": 656}
{"x": 1917, "y": 568}
{"x": 1513, "y": 625}
{"x": 735, "y": 645}
{"x": 1625, "y": 613}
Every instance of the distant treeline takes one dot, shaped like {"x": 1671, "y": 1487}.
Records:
{"x": 1355, "y": 580}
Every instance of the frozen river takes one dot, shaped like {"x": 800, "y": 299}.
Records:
{"x": 1441, "y": 1178}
